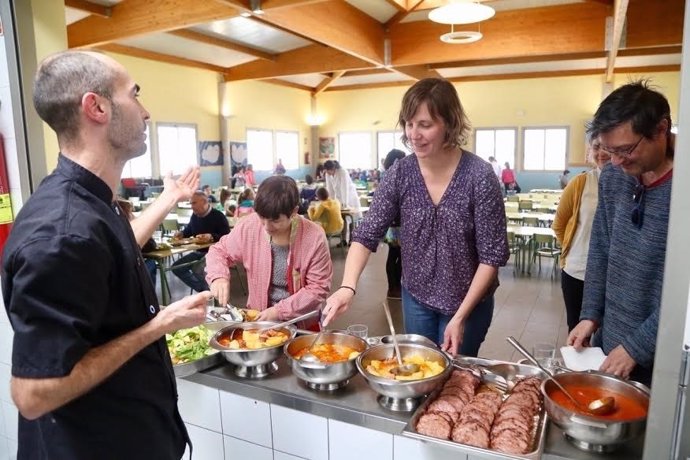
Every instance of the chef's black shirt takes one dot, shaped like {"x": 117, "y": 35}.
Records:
{"x": 73, "y": 279}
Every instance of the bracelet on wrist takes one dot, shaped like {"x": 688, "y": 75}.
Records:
{"x": 350, "y": 288}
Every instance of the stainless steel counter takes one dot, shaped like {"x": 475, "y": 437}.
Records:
{"x": 356, "y": 404}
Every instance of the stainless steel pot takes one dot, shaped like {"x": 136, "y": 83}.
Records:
{"x": 409, "y": 338}
{"x": 401, "y": 389}
{"x": 595, "y": 433}
{"x": 327, "y": 376}
{"x": 245, "y": 357}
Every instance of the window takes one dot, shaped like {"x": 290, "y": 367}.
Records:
{"x": 263, "y": 157}
{"x": 177, "y": 147}
{"x": 355, "y": 150}
{"x": 260, "y": 149}
{"x": 140, "y": 166}
{"x": 499, "y": 143}
{"x": 387, "y": 141}
{"x": 287, "y": 148}
{"x": 545, "y": 149}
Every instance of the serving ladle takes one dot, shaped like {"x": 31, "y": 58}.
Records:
{"x": 600, "y": 406}
{"x": 310, "y": 357}
{"x": 288, "y": 322}
{"x": 402, "y": 368}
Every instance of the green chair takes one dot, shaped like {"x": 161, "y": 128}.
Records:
{"x": 169, "y": 227}
{"x": 525, "y": 205}
{"x": 513, "y": 198}
{"x": 529, "y": 221}
{"x": 546, "y": 246}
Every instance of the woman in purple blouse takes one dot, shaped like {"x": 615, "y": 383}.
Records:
{"x": 452, "y": 225}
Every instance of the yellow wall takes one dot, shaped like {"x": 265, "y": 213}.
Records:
{"x": 173, "y": 93}
{"x": 562, "y": 101}
{"x": 50, "y": 33}
{"x": 259, "y": 105}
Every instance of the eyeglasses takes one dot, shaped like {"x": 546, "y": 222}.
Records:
{"x": 638, "y": 211}
{"x": 621, "y": 152}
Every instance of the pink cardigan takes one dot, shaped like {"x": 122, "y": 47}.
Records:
{"x": 309, "y": 259}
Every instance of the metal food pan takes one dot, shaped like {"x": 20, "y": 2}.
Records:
{"x": 192, "y": 367}
{"x": 539, "y": 434}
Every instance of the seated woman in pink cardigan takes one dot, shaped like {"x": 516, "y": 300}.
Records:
{"x": 286, "y": 257}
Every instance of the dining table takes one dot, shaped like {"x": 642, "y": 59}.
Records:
{"x": 525, "y": 235}
{"x": 164, "y": 256}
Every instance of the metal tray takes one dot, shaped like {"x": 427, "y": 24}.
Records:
{"x": 192, "y": 367}
{"x": 540, "y": 425}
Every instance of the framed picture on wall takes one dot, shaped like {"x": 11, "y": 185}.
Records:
{"x": 326, "y": 147}
{"x": 210, "y": 153}
{"x": 238, "y": 153}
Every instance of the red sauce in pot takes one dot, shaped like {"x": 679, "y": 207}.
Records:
{"x": 625, "y": 409}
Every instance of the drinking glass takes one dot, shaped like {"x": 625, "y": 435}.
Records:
{"x": 358, "y": 330}
{"x": 544, "y": 353}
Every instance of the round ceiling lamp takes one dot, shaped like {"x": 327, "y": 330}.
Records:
{"x": 460, "y": 37}
{"x": 461, "y": 12}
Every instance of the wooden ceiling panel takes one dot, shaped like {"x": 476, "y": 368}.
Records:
{"x": 132, "y": 18}
{"x": 655, "y": 23}
{"x": 310, "y": 59}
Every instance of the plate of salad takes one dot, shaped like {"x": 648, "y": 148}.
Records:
{"x": 190, "y": 351}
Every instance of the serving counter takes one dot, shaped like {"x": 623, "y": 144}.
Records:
{"x": 279, "y": 417}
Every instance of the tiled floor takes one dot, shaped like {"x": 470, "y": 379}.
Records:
{"x": 530, "y": 308}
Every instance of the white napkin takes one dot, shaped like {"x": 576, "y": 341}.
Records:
{"x": 583, "y": 360}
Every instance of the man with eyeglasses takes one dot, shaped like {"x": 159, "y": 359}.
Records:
{"x": 622, "y": 295}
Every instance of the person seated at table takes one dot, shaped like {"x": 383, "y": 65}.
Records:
{"x": 207, "y": 225}
{"x": 149, "y": 246}
{"x": 224, "y": 202}
{"x": 327, "y": 213}
{"x": 286, "y": 256}
{"x": 240, "y": 178}
{"x": 209, "y": 194}
{"x": 246, "y": 203}
{"x": 307, "y": 194}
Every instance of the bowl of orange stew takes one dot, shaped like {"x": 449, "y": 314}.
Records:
{"x": 625, "y": 422}
{"x": 251, "y": 344}
{"x": 336, "y": 353}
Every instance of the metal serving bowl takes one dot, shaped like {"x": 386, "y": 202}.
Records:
{"x": 250, "y": 361}
{"x": 324, "y": 376}
{"x": 402, "y": 395}
{"x": 409, "y": 338}
{"x": 596, "y": 433}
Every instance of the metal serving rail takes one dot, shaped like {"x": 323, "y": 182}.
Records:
{"x": 356, "y": 404}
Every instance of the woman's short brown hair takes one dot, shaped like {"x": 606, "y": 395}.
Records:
{"x": 443, "y": 103}
{"x": 277, "y": 195}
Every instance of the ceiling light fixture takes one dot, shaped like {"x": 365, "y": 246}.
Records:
{"x": 461, "y": 12}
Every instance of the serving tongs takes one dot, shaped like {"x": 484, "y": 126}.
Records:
{"x": 226, "y": 313}
{"x": 488, "y": 377}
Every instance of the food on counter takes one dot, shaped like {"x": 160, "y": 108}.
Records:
{"x": 427, "y": 368}
{"x": 249, "y": 314}
{"x": 624, "y": 410}
{"x": 514, "y": 423}
{"x": 190, "y": 344}
{"x": 470, "y": 413}
{"x": 253, "y": 339}
{"x": 329, "y": 352}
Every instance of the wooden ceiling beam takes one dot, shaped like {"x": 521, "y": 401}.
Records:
{"x": 88, "y": 7}
{"x": 327, "y": 82}
{"x": 134, "y": 18}
{"x": 308, "y": 59}
{"x": 418, "y": 72}
{"x": 209, "y": 40}
{"x": 619, "y": 11}
{"x": 160, "y": 57}
{"x": 519, "y": 60}
{"x": 288, "y": 84}
{"x": 334, "y": 23}
{"x": 400, "y": 15}
{"x": 561, "y": 29}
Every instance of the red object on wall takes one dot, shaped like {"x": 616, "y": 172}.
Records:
{"x": 6, "y": 216}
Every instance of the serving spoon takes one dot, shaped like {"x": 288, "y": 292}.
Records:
{"x": 288, "y": 322}
{"x": 401, "y": 368}
{"x": 600, "y": 406}
{"x": 310, "y": 357}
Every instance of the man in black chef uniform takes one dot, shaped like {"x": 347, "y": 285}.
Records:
{"x": 91, "y": 373}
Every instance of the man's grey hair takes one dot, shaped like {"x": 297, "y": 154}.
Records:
{"x": 61, "y": 81}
